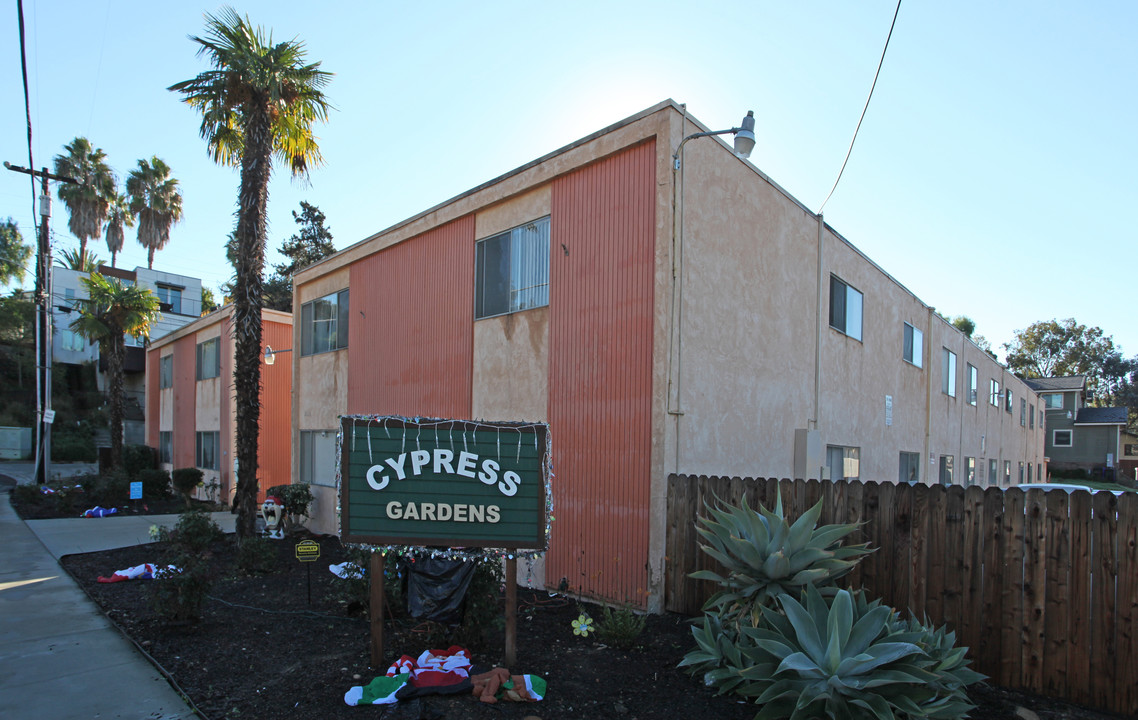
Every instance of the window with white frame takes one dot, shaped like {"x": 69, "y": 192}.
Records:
{"x": 166, "y": 446}
{"x": 166, "y": 371}
{"x": 948, "y": 372}
{"x": 1062, "y": 438}
{"x": 992, "y": 479}
{"x": 909, "y": 468}
{"x": 843, "y": 462}
{"x": 324, "y": 324}
{"x": 845, "y": 308}
{"x": 73, "y": 341}
{"x": 170, "y": 296}
{"x": 912, "y": 345}
{"x": 946, "y": 469}
{"x": 994, "y": 393}
{"x": 1008, "y": 404}
{"x": 206, "y": 452}
{"x": 318, "y": 457}
{"x": 208, "y": 359}
{"x": 973, "y": 384}
{"x": 1007, "y": 472}
{"x": 1052, "y": 401}
{"x": 970, "y": 471}
{"x": 511, "y": 270}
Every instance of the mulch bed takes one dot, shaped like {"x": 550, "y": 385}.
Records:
{"x": 263, "y": 650}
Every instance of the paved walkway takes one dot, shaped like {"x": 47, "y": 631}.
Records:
{"x": 60, "y": 658}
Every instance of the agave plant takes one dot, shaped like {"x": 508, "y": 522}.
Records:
{"x": 765, "y": 557}
{"x": 842, "y": 658}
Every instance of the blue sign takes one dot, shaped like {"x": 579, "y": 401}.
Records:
{"x": 136, "y": 491}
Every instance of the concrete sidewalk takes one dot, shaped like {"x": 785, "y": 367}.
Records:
{"x": 60, "y": 658}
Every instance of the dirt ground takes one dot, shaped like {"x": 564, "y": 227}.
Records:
{"x": 264, "y": 650}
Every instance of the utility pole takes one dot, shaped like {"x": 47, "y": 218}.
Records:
{"x": 44, "y": 414}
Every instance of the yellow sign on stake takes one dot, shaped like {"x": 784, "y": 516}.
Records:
{"x": 307, "y": 551}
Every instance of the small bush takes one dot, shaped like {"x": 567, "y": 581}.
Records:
{"x": 194, "y": 532}
{"x": 179, "y": 594}
{"x": 155, "y": 483}
{"x": 72, "y": 447}
{"x": 186, "y": 480}
{"x": 138, "y": 458}
{"x": 482, "y": 612}
{"x": 110, "y": 490}
{"x": 296, "y": 498}
{"x": 257, "y": 555}
{"x": 621, "y": 628}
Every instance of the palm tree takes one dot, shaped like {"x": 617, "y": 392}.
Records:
{"x": 87, "y": 199}
{"x": 111, "y": 309}
{"x": 156, "y": 200}
{"x": 260, "y": 100}
{"x": 81, "y": 260}
{"x": 119, "y": 217}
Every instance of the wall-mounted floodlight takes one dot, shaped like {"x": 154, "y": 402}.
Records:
{"x": 744, "y": 138}
{"x": 271, "y": 355}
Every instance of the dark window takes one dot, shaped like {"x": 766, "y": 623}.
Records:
{"x": 845, "y": 308}
{"x": 910, "y": 468}
{"x": 209, "y": 359}
{"x": 166, "y": 446}
{"x": 166, "y": 371}
{"x": 207, "y": 447}
{"x": 324, "y": 324}
{"x": 511, "y": 270}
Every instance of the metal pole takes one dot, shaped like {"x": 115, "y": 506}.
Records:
{"x": 43, "y": 320}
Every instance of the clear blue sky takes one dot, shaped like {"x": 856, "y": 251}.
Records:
{"x": 992, "y": 175}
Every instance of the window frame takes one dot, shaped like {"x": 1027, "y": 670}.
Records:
{"x": 166, "y": 446}
{"x": 973, "y": 384}
{"x": 335, "y": 337}
{"x": 946, "y": 470}
{"x": 842, "y": 311}
{"x": 307, "y": 456}
{"x": 1031, "y": 416}
{"x": 1070, "y": 434}
{"x": 169, "y": 292}
{"x": 993, "y": 472}
{"x": 201, "y": 372}
{"x": 913, "y": 345}
{"x": 524, "y": 279}
{"x": 1047, "y": 404}
{"x": 969, "y": 471}
{"x": 200, "y": 449}
{"x": 994, "y": 393}
{"x": 1023, "y": 412}
{"x": 948, "y": 372}
{"x": 1009, "y": 401}
{"x": 166, "y": 371}
{"x": 909, "y": 462}
{"x": 849, "y": 453}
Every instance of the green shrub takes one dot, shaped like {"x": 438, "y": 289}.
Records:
{"x": 621, "y": 628}
{"x": 137, "y": 458}
{"x": 354, "y": 592}
{"x": 186, "y": 480}
{"x": 72, "y": 447}
{"x": 155, "y": 483}
{"x": 179, "y": 594}
{"x": 296, "y": 499}
{"x": 482, "y": 612}
{"x": 766, "y": 557}
{"x": 111, "y": 489}
{"x": 193, "y": 534}
{"x": 839, "y": 658}
{"x": 257, "y": 555}
{"x": 28, "y": 495}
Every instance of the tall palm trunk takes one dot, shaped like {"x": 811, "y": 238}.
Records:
{"x": 251, "y": 226}
{"x": 115, "y": 353}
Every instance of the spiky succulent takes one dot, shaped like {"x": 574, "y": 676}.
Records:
{"x": 840, "y": 658}
{"x": 765, "y": 557}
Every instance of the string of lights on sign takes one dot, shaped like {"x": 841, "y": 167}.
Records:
{"x": 456, "y": 433}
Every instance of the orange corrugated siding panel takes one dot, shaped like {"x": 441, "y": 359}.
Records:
{"x": 152, "y": 399}
{"x": 185, "y": 401}
{"x": 410, "y": 338}
{"x": 274, "y": 450}
{"x": 600, "y": 374}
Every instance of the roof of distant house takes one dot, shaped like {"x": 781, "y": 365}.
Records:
{"x": 1072, "y": 382}
{"x": 1102, "y": 416}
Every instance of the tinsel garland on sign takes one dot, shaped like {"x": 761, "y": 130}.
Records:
{"x": 436, "y": 424}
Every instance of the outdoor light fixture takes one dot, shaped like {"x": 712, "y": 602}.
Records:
{"x": 744, "y": 138}
{"x": 271, "y": 355}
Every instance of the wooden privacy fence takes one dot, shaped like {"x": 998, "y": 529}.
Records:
{"x": 1041, "y": 586}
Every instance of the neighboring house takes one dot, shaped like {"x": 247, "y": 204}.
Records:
{"x": 190, "y": 412}
{"x": 695, "y": 321}
{"x": 1079, "y": 437}
{"x": 180, "y": 298}
{"x": 1128, "y": 460}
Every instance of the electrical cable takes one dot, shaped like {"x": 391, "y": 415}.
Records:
{"x": 864, "y": 109}
{"x": 27, "y": 101}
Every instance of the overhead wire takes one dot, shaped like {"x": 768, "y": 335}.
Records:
{"x": 864, "y": 109}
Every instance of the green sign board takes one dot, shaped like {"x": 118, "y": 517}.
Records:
{"x": 450, "y": 483}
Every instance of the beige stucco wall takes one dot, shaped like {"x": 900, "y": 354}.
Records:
{"x": 319, "y": 395}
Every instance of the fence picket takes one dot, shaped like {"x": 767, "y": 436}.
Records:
{"x": 1082, "y": 552}
{"x": 1056, "y": 607}
{"x": 1011, "y": 588}
{"x": 988, "y": 620}
{"x": 1104, "y": 569}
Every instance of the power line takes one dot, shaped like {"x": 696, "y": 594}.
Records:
{"x": 875, "y": 76}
